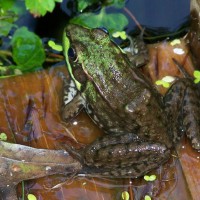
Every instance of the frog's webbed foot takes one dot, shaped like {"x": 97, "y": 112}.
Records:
{"x": 123, "y": 156}
{"x": 183, "y": 109}
{"x": 137, "y": 51}
{"x": 72, "y": 101}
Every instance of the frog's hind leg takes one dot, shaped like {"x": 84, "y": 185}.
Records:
{"x": 182, "y": 104}
{"x": 123, "y": 155}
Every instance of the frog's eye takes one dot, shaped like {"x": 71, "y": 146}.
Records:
{"x": 105, "y": 30}
{"x": 72, "y": 54}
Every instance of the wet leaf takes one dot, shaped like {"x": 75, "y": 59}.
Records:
{"x": 31, "y": 163}
{"x": 168, "y": 79}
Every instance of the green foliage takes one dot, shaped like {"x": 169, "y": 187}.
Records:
{"x": 82, "y": 4}
{"x": 40, "y": 8}
{"x": 102, "y": 20}
{"x": 7, "y": 16}
{"x": 28, "y": 52}
{"x": 5, "y": 27}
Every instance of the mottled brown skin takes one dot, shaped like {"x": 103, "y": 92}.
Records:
{"x": 184, "y": 114}
{"x": 123, "y": 103}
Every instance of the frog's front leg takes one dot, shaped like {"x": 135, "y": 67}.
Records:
{"x": 137, "y": 51}
{"x": 72, "y": 100}
{"x": 182, "y": 104}
{"x": 123, "y": 155}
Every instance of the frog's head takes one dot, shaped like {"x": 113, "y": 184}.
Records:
{"x": 85, "y": 50}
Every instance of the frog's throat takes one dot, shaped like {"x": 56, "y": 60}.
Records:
{"x": 66, "y": 46}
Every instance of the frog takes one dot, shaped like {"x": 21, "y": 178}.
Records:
{"x": 141, "y": 126}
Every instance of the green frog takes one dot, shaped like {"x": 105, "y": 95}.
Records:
{"x": 140, "y": 125}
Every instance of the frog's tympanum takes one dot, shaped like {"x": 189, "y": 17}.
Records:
{"x": 140, "y": 125}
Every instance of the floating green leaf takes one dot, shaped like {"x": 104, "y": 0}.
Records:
{"x": 196, "y": 76}
{"x": 175, "y": 42}
{"x": 55, "y": 46}
{"x": 40, "y": 8}
{"x": 102, "y": 20}
{"x": 3, "y": 136}
{"x": 150, "y": 178}
{"x": 31, "y": 197}
{"x": 7, "y": 17}
{"x": 165, "y": 81}
{"x": 125, "y": 195}
{"x": 121, "y": 34}
{"x": 147, "y": 197}
{"x": 28, "y": 52}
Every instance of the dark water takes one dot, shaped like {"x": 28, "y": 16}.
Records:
{"x": 161, "y": 16}
{"x": 169, "y": 14}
